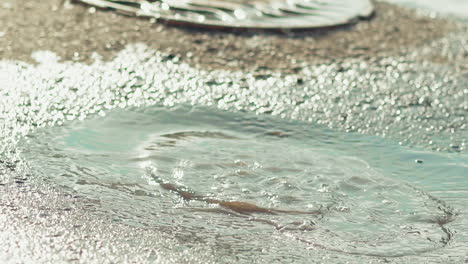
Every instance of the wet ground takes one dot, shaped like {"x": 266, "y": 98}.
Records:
{"x": 379, "y": 78}
{"x": 76, "y": 32}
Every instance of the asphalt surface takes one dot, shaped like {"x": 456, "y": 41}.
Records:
{"x": 74, "y": 32}
{"x": 41, "y": 223}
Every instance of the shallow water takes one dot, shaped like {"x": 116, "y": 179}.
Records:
{"x": 399, "y": 196}
{"x": 102, "y": 139}
{"x": 248, "y": 14}
{"x": 372, "y": 194}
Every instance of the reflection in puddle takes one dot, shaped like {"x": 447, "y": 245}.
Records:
{"x": 207, "y": 177}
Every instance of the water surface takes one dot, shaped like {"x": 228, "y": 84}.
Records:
{"x": 375, "y": 197}
{"x": 398, "y": 196}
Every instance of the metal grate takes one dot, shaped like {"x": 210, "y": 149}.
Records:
{"x": 266, "y": 14}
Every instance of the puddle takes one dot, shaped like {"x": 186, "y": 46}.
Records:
{"x": 246, "y": 14}
{"x": 355, "y": 187}
{"x": 367, "y": 188}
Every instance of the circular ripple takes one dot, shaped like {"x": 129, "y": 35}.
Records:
{"x": 120, "y": 159}
{"x": 267, "y": 14}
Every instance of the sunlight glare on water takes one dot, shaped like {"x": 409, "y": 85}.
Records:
{"x": 359, "y": 184}
{"x": 398, "y": 196}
